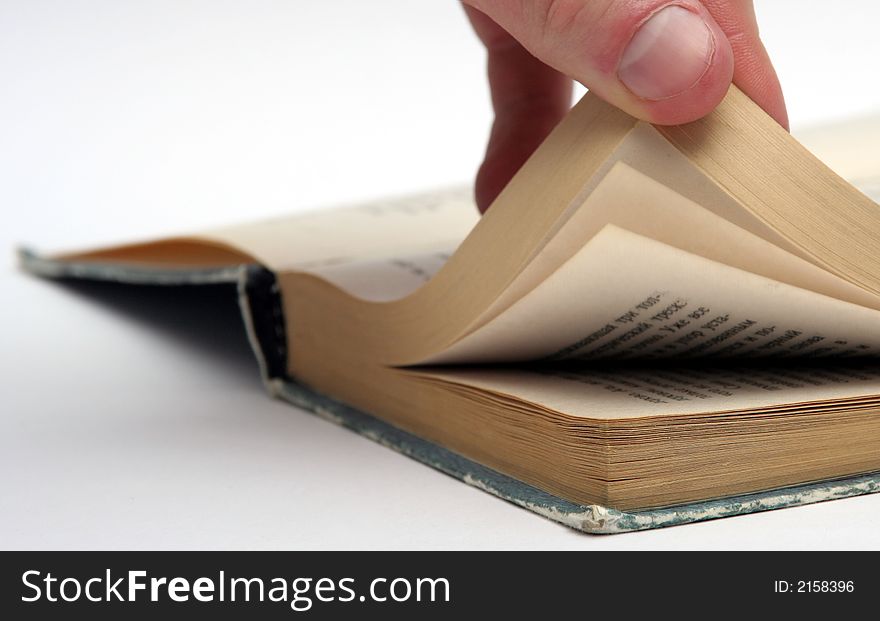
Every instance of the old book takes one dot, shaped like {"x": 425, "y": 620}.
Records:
{"x": 650, "y": 326}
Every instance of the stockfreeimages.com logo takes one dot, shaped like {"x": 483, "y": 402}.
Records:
{"x": 299, "y": 593}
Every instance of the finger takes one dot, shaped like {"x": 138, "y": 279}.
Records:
{"x": 665, "y": 62}
{"x": 529, "y": 99}
{"x": 753, "y": 72}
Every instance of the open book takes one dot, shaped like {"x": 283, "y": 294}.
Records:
{"x": 651, "y": 325}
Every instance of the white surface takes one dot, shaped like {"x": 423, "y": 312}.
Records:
{"x": 135, "y": 119}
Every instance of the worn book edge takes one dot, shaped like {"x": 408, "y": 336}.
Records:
{"x": 259, "y": 301}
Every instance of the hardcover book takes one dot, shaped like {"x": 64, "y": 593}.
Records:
{"x": 650, "y": 326}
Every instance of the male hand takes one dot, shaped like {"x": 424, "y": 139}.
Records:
{"x": 667, "y": 62}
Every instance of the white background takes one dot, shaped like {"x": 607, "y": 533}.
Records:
{"x": 124, "y": 119}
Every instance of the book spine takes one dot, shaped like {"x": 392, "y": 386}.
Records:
{"x": 260, "y": 301}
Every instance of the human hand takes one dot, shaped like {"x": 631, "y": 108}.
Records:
{"x": 667, "y": 62}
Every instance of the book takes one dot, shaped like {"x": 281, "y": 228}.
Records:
{"x": 650, "y": 325}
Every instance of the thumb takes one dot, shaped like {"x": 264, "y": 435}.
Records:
{"x": 661, "y": 61}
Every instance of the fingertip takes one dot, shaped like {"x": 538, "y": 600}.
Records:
{"x": 754, "y": 73}
{"x": 756, "y": 77}
{"x": 702, "y": 98}
{"x": 677, "y": 67}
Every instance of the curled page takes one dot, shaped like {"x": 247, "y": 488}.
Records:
{"x": 625, "y": 296}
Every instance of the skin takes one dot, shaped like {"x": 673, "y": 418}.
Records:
{"x": 536, "y": 48}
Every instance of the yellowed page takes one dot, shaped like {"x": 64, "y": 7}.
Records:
{"x": 647, "y": 151}
{"x": 606, "y": 394}
{"x": 631, "y": 200}
{"x": 627, "y": 296}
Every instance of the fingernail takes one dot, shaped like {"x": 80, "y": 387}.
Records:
{"x": 668, "y": 55}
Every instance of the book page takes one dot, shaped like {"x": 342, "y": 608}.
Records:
{"x": 378, "y": 231}
{"x": 395, "y": 228}
{"x": 608, "y": 392}
{"x": 625, "y": 296}
{"x": 631, "y": 200}
{"x": 649, "y": 152}
{"x": 384, "y": 278}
